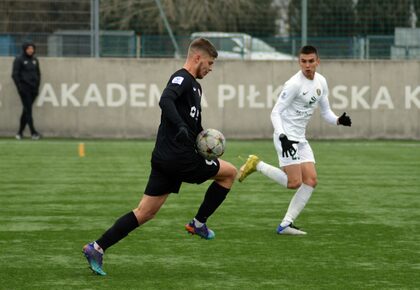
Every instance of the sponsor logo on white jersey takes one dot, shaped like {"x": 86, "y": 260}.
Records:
{"x": 177, "y": 80}
{"x": 312, "y": 101}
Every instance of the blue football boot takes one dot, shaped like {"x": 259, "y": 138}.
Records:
{"x": 94, "y": 259}
{"x": 203, "y": 232}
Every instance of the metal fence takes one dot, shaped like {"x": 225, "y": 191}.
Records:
{"x": 129, "y": 44}
{"x": 133, "y": 28}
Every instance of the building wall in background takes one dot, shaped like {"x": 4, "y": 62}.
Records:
{"x": 118, "y": 98}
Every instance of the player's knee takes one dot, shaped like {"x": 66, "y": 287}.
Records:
{"x": 232, "y": 172}
{"x": 294, "y": 183}
{"x": 312, "y": 182}
{"x": 229, "y": 172}
{"x": 144, "y": 215}
{"x": 226, "y": 175}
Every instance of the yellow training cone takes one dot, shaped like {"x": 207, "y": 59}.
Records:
{"x": 81, "y": 149}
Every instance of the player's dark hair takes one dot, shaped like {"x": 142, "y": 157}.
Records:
{"x": 308, "y": 49}
{"x": 203, "y": 45}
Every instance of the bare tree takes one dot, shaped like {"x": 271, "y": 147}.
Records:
{"x": 184, "y": 16}
{"x": 325, "y": 18}
{"x": 25, "y": 16}
{"x": 381, "y": 19}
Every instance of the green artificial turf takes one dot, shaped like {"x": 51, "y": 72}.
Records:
{"x": 363, "y": 220}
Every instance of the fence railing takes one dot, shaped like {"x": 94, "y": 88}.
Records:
{"x": 128, "y": 44}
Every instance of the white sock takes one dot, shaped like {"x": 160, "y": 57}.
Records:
{"x": 98, "y": 248}
{"x": 272, "y": 172}
{"x": 197, "y": 223}
{"x": 297, "y": 204}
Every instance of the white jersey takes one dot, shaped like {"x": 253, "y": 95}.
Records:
{"x": 296, "y": 104}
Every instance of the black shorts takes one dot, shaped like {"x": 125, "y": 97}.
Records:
{"x": 167, "y": 177}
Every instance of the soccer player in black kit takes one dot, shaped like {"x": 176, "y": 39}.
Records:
{"x": 174, "y": 158}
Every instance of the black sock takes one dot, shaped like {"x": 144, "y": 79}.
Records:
{"x": 214, "y": 197}
{"x": 122, "y": 227}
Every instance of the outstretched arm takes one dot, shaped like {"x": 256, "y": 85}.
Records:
{"x": 326, "y": 111}
{"x": 329, "y": 115}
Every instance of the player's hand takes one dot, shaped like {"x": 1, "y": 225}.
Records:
{"x": 182, "y": 136}
{"x": 287, "y": 146}
{"x": 344, "y": 120}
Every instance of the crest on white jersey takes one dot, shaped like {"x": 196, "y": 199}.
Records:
{"x": 283, "y": 95}
{"x": 318, "y": 91}
{"x": 177, "y": 80}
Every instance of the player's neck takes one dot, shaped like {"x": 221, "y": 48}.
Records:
{"x": 189, "y": 68}
{"x": 309, "y": 76}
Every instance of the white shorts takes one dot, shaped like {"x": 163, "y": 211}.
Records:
{"x": 303, "y": 154}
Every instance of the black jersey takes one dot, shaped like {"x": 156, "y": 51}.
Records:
{"x": 181, "y": 106}
{"x": 26, "y": 70}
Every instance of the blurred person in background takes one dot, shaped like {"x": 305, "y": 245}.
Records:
{"x": 27, "y": 77}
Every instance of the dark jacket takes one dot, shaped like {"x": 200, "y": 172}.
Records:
{"x": 26, "y": 71}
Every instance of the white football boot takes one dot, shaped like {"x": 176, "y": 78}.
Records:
{"x": 290, "y": 229}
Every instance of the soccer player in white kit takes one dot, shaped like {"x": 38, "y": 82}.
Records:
{"x": 301, "y": 95}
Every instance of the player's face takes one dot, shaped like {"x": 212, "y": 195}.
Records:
{"x": 204, "y": 65}
{"x": 308, "y": 64}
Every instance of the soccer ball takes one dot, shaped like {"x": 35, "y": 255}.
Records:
{"x": 211, "y": 144}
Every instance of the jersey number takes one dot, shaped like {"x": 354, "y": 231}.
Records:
{"x": 211, "y": 162}
{"x": 194, "y": 112}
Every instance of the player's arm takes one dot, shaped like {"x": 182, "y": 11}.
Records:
{"x": 170, "y": 112}
{"x": 329, "y": 115}
{"x": 286, "y": 97}
{"x": 17, "y": 64}
{"x": 332, "y": 118}
{"x": 326, "y": 111}
{"x": 288, "y": 93}
{"x": 38, "y": 71}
